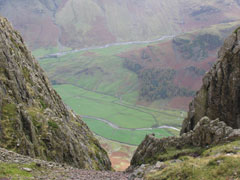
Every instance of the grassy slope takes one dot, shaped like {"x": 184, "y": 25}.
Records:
{"x": 15, "y": 171}
{"x": 217, "y": 162}
{"x": 115, "y": 80}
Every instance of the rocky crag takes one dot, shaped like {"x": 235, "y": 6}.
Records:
{"x": 212, "y": 124}
{"x": 206, "y": 132}
{"x": 219, "y": 96}
{"x": 33, "y": 119}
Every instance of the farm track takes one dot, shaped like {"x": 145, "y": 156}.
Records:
{"x": 136, "y": 107}
{"x": 130, "y": 129}
{"x": 127, "y": 106}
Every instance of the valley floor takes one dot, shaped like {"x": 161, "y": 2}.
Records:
{"x": 119, "y": 120}
{"x": 119, "y": 125}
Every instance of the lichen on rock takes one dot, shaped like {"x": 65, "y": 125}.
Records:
{"x": 207, "y": 132}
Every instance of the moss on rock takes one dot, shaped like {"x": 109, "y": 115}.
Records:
{"x": 33, "y": 119}
{"x": 221, "y": 167}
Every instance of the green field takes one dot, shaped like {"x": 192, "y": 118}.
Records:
{"x": 95, "y": 85}
{"x": 96, "y": 70}
{"x": 132, "y": 137}
{"x": 122, "y": 114}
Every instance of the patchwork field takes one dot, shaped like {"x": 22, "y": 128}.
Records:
{"x": 113, "y": 119}
{"x": 99, "y": 69}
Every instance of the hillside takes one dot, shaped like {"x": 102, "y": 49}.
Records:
{"x": 172, "y": 70}
{"x": 106, "y": 79}
{"x": 33, "y": 119}
{"x": 207, "y": 147}
{"x": 152, "y": 74}
{"x": 83, "y": 23}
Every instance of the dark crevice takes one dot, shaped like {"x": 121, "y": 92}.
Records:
{"x": 26, "y": 125}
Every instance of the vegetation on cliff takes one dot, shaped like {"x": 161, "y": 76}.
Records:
{"x": 207, "y": 148}
{"x": 33, "y": 119}
{"x": 223, "y": 163}
{"x": 219, "y": 95}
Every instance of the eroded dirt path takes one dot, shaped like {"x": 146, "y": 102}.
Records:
{"x": 44, "y": 170}
{"x": 78, "y": 174}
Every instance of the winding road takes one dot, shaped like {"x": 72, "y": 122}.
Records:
{"x": 135, "y": 129}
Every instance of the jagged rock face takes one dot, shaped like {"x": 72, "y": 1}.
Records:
{"x": 33, "y": 119}
{"x": 206, "y": 132}
{"x": 219, "y": 96}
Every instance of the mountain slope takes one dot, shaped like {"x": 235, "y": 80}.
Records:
{"x": 173, "y": 69}
{"x": 33, "y": 119}
{"x": 82, "y": 23}
{"x": 135, "y": 72}
{"x": 33, "y": 19}
{"x": 204, "y": 143}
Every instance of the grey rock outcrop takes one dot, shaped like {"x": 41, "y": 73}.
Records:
{"x": 206, "y": 132}
{"x": 219, "y": 96}
{"x": 33, "y": 119}
{"x": 214, "y": 114}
